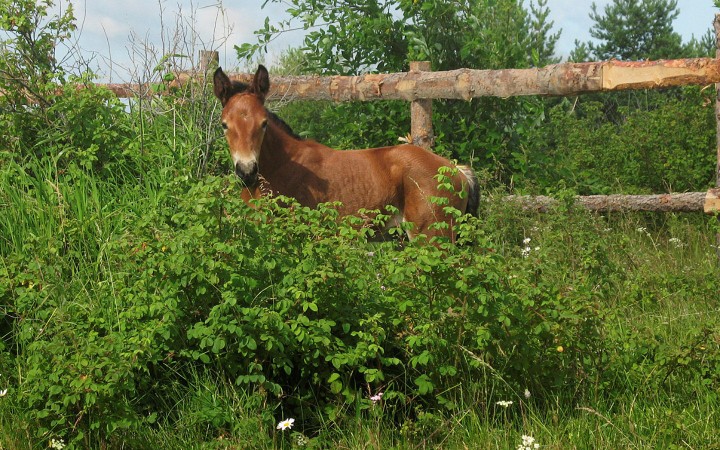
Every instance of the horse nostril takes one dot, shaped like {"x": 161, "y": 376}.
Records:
{"x": 248, "y": 173}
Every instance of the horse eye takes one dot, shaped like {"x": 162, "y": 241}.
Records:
{"x": 224, "y": 125}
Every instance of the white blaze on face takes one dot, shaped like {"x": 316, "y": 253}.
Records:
{"x": 245, "y": 120}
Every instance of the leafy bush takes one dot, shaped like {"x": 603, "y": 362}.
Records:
{"x": 290, "y": 301}
{"x": 662, "y": 148}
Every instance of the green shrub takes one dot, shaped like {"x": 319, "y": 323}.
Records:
{"x": 293, "y": 302}
{"x": 658, "y": 148}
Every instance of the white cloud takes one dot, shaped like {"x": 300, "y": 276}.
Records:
{"x": 106, "y": 26}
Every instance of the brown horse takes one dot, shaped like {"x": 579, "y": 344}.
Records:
{"x": 404, "y": 176}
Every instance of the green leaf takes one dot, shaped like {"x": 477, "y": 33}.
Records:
{"x": 334, "y": 376}
{"x": 424, "y": 384}
{"x": 218, "y": 345}
{"x": 251, "y": 344}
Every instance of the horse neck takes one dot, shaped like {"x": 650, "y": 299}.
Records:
{"x": 277, "y": 149}
{"x": 280, "y": 148}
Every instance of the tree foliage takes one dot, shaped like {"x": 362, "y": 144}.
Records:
{"x": 29, "y": 66}
{"x": 30, "y": 74}
{"x": 351, "y": 37}
{"x": 648, "y": 150}
{"x": 632, "y": 30}
{"x": 635, "y": 141}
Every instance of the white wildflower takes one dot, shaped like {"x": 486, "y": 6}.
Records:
{"x": 301, "y": 440}
{"x": 676, "y": 242}
{"x": 528, "y": 443}
{"x": 286, "y": 424}
{"x": 504, "y": 403}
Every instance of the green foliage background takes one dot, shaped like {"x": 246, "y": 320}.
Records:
{"x": 144, "y": 305}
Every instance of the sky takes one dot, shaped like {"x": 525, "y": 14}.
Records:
{"x": 115, "y": 35}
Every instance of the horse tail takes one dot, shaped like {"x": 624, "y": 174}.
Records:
{"x": 473, "y": 189}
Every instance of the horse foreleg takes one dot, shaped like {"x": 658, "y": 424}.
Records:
{"x": 248, "y": 194}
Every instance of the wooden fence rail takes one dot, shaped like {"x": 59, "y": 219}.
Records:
{"x": 680, "y": 202}
{"x": 464, "y": 84}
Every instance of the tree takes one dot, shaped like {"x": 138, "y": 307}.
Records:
{"x": 355, "y": 36}
{"x": 541, "y": 37}
{"x": 635, "y": 30}
{"x": 29, "y": 71}
{"x": 343, "y": 36}
{"x": 28, "y": 67}
{"x": 705, "y": 47}
{"x": 633, "y": 141}
{"x": 580, "y": 53}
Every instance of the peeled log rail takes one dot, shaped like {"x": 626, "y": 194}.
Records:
{"x": 709, "y": 202}
{"x": 553, "y": 80}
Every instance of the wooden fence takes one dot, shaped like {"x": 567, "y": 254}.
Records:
{"x": 420, "y": 86}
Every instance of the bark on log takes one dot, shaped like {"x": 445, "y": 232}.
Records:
{"x": 553, "y": 80}
{"x": 683, "y": 202}
{"x": 128, "y": 90}
{"x": 421, "y": 126}
{"x": 465, "y": 84}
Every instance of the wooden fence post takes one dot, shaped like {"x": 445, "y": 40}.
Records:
{"x": 716, "y": 25}
{"x": 421, "y": 128}
{"x": 209, "y": 59}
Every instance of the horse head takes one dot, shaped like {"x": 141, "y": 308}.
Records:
{"x": 244, "y": 119}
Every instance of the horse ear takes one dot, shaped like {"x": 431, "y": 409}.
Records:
{"x": 261, "y": 82}
{"x": 222, "y": 86}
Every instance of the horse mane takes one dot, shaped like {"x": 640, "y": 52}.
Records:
{"x": 283, "y": 125}
{"x": 239, "y": 87}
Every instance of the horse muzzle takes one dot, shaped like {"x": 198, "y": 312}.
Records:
{"x": 248, "y": 173}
